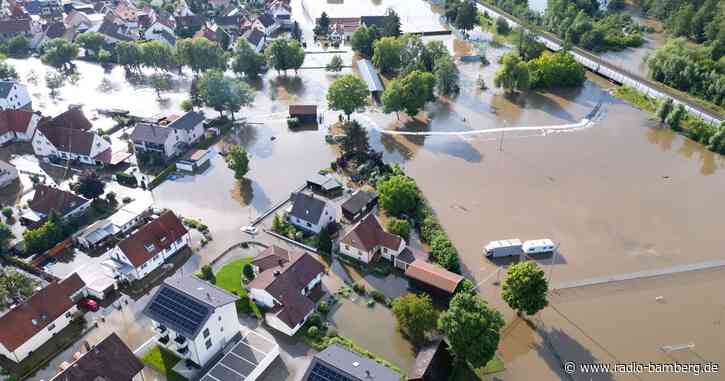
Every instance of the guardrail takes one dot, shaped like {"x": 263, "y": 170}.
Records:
{"x": 607, "y": 69}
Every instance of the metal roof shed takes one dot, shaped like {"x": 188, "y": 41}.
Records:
{"x": 370, "y": 76}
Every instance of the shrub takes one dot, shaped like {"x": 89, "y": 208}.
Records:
{"x": 323, "y": 308}
{"x": 126, "y": 200}
{"x": 293, "y": 122}
{"x": 207, "y": 274}
{"x": 248, "y": 271}
{"x": 359, "y": 288}
{"x": 398, "y": 227}
{"x": 313, "y": 331}
{"x": 371, "y": 303}
{"x": 315, "y": 319}
{"x": 379, "y": 297}
{"x": 126, "y": 179}
{"x": 7, "y": 212}
{"x": 502, "y": 27}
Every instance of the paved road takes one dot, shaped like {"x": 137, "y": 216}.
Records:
{"x": 608, "y": 69}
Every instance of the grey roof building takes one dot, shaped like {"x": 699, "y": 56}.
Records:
{"x": 370, "y": 76}
{"x": 150, "y": 133}
{"x": 307, "y": 208}
{"x": 185, "y": 303}
{"x": 187, "y": 121}
{"x": 358, "y": 204}
{"x": 338, "y": 363}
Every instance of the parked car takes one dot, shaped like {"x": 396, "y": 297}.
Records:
{"x": 88, "y": 304}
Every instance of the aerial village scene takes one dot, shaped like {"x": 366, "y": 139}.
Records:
{"x": 361, "y": 190}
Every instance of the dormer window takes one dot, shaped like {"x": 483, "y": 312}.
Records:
{"x": 150, "y": 247}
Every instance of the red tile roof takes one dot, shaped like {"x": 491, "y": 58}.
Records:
{"x": 42, "y": 308}
{"x": 433, "y": 275}
{"x": 158, "y": 235}
{"x": 73, "y": 118}
{"x": 14, "y": 121}
{"x": 47, "y": 199}
{"x": 368, "y": 234}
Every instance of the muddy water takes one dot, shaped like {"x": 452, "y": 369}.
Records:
{"x": 384, "y": 339}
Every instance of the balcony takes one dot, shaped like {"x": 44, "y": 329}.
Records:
{"x": 164, "y": 339}
{"x": 161, "y": 329}
{"x": 180, "y": 341}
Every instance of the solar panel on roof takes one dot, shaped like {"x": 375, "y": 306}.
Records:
{"x": 321, "y": 372}
{"x": 179, "y": 311}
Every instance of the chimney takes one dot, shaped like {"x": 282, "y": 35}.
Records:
{"x": 280, "y": 262}
{"x": 208, "y": 296}
{"x": 367, "y": 374}
{"x": 87, "y": 346}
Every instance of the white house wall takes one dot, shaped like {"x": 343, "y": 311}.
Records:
{"x": 41, "y": 337}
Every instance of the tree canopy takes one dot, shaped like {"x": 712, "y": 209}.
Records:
{"x": 386, "y": 54}
{"x": 446, "y": 76}
{"x": 513, "y": 75}
{"x": 223, "y": 93}
{"x": 238, "y": 161}
{"x": 92, "y": 42}
{"x": 59, "y": 53}
{"x": 355, "y": 140}
{"x": 409, "y": 93}
{"x": 473, "y": 329}
{"x": 416, "y": 316}
{"x": 555, "y": 70}
{"x": 391, "y": 24}
{"x": 246, "y": 61}
{"x": 89, "y": 186}
{"x": 347, "y": 94}
{"x": 283, "y": 54}
{"x": 200, "y": 54}
{"x": 398, "y": 195}
{"x": 363, "y": 39}
{"x": 524, "y": 288}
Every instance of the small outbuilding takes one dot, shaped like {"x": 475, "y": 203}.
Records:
{"x": 325, "y": 185}
{"x": 433, "y": 363}
{"x": 304, "y": 113}
{"x": 370, "y": 76}
{"x": 195, "y": 161}
{"x": 432, "y": 279}
{"x": 358, "y": 205}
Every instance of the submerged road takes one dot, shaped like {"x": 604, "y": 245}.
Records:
{"x": 607, "y": 69}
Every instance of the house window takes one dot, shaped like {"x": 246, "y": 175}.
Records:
{"x": 206, "y": 333}
{"x": 67, "y": 314}
{"x": 51, "y": 327}
{"x": 220, "y": 317}
{"x": 309, "y": 225}
{"x": 208, "y": 344}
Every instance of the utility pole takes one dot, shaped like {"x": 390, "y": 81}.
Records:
{"x": 503, "y": 132}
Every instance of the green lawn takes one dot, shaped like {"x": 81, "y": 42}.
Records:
{"x": 163, "y": 361}
{"x": 229, "y": 278}
{"x": 467, "y": 374}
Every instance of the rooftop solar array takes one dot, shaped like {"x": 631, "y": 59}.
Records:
{"x": 178, "y": 311}
{"x": 320, "y": 372}
{"x": 243, "y": 359}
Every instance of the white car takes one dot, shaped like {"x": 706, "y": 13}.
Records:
{"x": 249, "y": 230}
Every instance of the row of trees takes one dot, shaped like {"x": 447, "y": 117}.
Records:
{"x": 471, "y": 326}
{"x": 676, "y": 117}
{"x": 549, "y": 70}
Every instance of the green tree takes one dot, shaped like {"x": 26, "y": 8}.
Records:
{"x": 443, "y": 252}
{"x": 92, "y": 42}
{"x": 160, "y": 82}
{"x": 128, "y": 55}
{"x": 398, "y": 227}
{"x": 347, "y": 94}
{"x": 200, "y": 54}
{"x": 410, "y": 93}
{"x": 104, "y": 56}
{"x": 248, "y": 271}
{"x": 7, "y": 72}
{"x": 558, "y": 69}
{"x": 89, "y": 186}
{"x": 386, "y": 54}
{"x": 223, "y": 93}
{"x": 502, "y": 27}
{"x": 416, "y": 316}
{"x": 323, "y": 25}
{"x": 467, "y": 16}
{"x": 675, "y": 118}
{"x": 717, "y": 140}
{"x": 473, "y": 329}
{"x": 18, "y": 46}
{"x": 391, "y": 24}
{"x": 52, "y": 231}
{"x": 59, "y": 53}
{"x": 296, "y": 32}
{"x": 363, "y": 40}
{"x": 5, "y": 236}
{"x": 238, "y": 161}
{"x": 186, "y": 105}
{"x": 524, "y": 288}
{"x": 664, "y": 109}
{"x": 446, "y": 76}
{"x": 18, "y": 286}
{"x": 513, "y": 74}
{"x": 335, "y": 64}
{"x": 283, "y": 54}
{"x": 398, "y": 195}
{"x": 325, "y": 241}
{"x": 54, "y": 81}
{"x": 355, "y": 140}
{"x": 526, "y": 44}
{"x": 246, "y": 61}
{"x": 157, "y": 55}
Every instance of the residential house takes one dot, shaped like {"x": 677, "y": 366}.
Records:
{"x": 267, "y": 24}
{"x": 310, "y": 213}
{"x": 281, "y": 11}
{"x": 68, "y": 137}
{"x": 367, "y": 239}
{"x": 150, "y": 246}
{"x": 338, "y": 363}
{"x": 286, "y": 284}
{"x": 14, "y": 96}
{"x": 47, "y": 199}
{"x": 434, "y": 280}
{"x": 187, "y": 25}
{"x": 256, "y": 38}
{"x": 17, "y": 125}
{"x": 213, "y": 32}
{"x": 32, "y": 323}
{"x": 159, "y": 31}
{"x": 53, "y": 30}
{"x": 8, "y": 174}
{"x": 79, "y": 21}
{"x": 125, "y": 12}
{"x": 109, "y": 360}
{"x": 115, "y": 31}
{"x": 193, "y": 318}
{"x": 154, "y": 139}
{"x": 358, "y": 205}
{"x": 342, "y": 28}
{"x": 44, "y": 8}
{"x": 194, "y": 161}
{"x": 368, "y": 21}
{"x": 188, "y": 128}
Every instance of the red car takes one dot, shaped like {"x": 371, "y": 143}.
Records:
{"x": 88, "y": 304}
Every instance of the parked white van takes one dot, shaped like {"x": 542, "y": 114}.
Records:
{"x": 539, "y": 246}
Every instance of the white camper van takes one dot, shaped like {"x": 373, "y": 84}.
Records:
{"x": 539, "y": 246}
{"x": 503, "y": 248}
